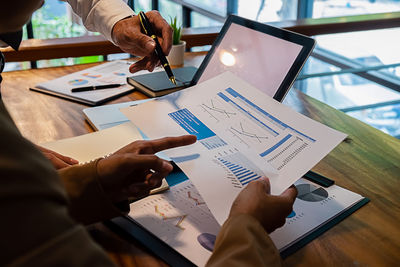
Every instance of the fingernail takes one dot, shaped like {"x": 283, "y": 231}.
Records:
{"x": 150, "y": 45}
{"x": 132, "y": 68}
{"x": 74, "y": 161}
{"x": 167, "y": 166}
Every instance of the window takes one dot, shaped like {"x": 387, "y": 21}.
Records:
{"x": 336, "y": 8}
{"x": 357, "y": 72}
{"x": 268, "y": 10}
{"x": 170, "y": 10}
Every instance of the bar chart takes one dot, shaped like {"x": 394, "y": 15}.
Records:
{"x": 241, "y": 167}
{"x": 193, "y": 125}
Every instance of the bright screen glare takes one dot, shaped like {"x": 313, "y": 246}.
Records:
{"x": 262, "y": 60}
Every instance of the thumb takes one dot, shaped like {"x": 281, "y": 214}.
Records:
{"x": 266, "y": 184}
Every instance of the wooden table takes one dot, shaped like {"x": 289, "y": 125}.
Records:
{"x": 368, "y": 163}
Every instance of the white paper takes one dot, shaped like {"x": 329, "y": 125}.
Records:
{"x": 106, "y": 116}
{"x": 91, "y": 146}
{"x": 314, "y": 207}
{"x": 181, "y": 218}
{"x": 107, "y": 73}
{"x": 242, "y": 135}
{"x": 88, "y": 147}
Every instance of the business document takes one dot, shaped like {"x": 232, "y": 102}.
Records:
{"x": 242, "y": 135}
{"x": 181, "y": 218}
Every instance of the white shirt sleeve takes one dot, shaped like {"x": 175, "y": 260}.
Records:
{"x": 101, "y": 15}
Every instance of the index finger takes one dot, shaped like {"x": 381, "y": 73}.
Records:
{"x": 156, "y": 145}
{"x": 144, "y": 162}
{"x": 290, "y": 194}
{"x": 162, "y": 27}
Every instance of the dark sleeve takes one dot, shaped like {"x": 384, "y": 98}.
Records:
{"x": 87, "y": 201}
{"x": 242, "y": 241}
{"x": 36, "y": 229}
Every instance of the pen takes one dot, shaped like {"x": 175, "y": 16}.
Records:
{"x": 318, "y": 179}
{"x": 95, "y": 87}
{"x": 148, "y": 29}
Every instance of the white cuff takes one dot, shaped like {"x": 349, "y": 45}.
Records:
{"x": 106, "y": 14}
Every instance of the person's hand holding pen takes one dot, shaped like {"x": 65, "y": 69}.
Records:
{"x": 129, "y": 36}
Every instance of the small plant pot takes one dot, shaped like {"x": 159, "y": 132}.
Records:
{"x": 177, "y": 53}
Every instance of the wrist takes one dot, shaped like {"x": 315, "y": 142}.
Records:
{"x": 114, "y": 31}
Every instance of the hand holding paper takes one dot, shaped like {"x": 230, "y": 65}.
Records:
{"x": 271, "y": 211}
{"x": 242, "y": 135}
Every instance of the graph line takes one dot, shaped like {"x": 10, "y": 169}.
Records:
{"x": 180, "y": 218}
{"x": 248, "y": 134}
{"x": 219, "y": 110}
{"x": 196, "y": 200}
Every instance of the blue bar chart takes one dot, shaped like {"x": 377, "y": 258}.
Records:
{"x": 241, "y": 168}
{"x": 194, "y": 126}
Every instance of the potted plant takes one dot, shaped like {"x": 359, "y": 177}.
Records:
{"x": 176, "y": 55}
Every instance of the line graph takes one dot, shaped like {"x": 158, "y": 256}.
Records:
{"x": 211, "y": 108}
{"x": 243, "y": 132}
{"x": 195, "y": 199}
{"x": 180, "y": 218}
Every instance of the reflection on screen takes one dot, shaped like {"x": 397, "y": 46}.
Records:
{"x": 260, "y": 59}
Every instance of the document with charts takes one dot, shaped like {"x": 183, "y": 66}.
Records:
{"x": 242, "y": 135}
{"x": 107, "y": 73}
{"x": 180, "y": 217}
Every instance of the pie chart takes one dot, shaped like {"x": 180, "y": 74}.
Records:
{"x": 311, "y": 193}
{"x": 78, "y": 82}
{"x": 207, "y": 241}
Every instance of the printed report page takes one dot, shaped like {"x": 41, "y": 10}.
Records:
{"x": 242, "y": 135}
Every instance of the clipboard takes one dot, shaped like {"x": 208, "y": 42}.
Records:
{"x": 131, "y": 229}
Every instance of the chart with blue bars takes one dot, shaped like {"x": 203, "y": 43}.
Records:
{"x": 194, "y": 126}
{"x": 241, "y": 167}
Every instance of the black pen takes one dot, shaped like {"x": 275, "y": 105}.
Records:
{"x": 95, "y": 87}
{"x": 148, "y": 29}
{"x": 318, "y": 179}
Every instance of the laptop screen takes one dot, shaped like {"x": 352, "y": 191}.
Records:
{"x": 268, "y": 58}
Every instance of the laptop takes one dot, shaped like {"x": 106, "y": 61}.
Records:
{"x": 267, "y": 57}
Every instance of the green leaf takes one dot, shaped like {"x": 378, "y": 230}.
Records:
{"x": 177, "y": 30}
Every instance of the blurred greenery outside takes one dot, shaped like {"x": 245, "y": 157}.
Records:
{"x": 47, "y": 25}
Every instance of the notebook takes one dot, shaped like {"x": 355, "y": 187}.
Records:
{"x": 157, "y": 84}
